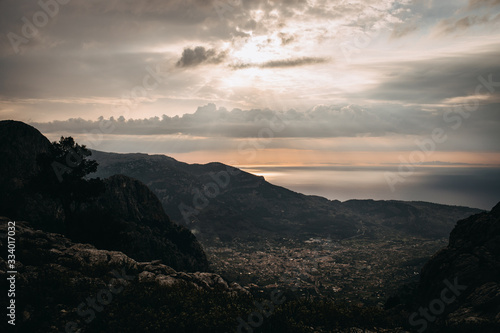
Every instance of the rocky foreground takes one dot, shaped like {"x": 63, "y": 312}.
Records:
{"x": 63, "y": 285}
{"x": 469, "y": 267}
{"x": 459, "y": 287}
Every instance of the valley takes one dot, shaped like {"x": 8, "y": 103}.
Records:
{"x": 263, "y": 236}
{"x": 359, "y": 270}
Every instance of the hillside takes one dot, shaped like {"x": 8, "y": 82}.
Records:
{"x": 126, "y": 217}
{"x": 471, "y": 265}
{"x": 222, "y": 203}
{"x": 57, "y": 279}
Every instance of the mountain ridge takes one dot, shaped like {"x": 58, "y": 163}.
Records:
{"x": 254, "y": 208}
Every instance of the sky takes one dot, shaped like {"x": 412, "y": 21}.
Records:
{"x": 344, "y": 99}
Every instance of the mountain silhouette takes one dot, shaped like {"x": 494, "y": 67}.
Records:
{"x": 222, "y": 203}
{"x": 127, "y": 217}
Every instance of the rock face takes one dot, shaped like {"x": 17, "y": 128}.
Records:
{"x": 471, "y": 260}
{"x": 55, "y": 275}
{"x": 20, "y": 144}
{"x": 127, "y": 217}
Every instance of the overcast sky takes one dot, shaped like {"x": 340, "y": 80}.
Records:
{"x": 285, "y": 82}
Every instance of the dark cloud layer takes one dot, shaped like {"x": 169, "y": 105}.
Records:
{"x": 284, "y": 63}
{"x": 319, "y": 122}
{"x": 435, "y": 80}
{"x": 198, "y": 55}
{"x": 101, "y": 48}
{"x": 293, "y": 62}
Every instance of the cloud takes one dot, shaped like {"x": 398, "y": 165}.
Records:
{"x": 291, "y": 62}
{"x": 477, "y": 13}
{"x": 449, "y": 26}
{"x": 210, "y": 121}
{"x": 102, "y": 50}
{"x": 324, "y": 128}
{"x": 480, "y": 3}
{"x": 286, "y": 38}
{"x": 294, "y": 62}
{"x": 435, "y": 80}
{"x": 199, "y": 55}
{"x": 402, "y": 30}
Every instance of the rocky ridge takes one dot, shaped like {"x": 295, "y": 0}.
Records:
{"x": 472, "y": 261}
{"x": 56, "y": 274}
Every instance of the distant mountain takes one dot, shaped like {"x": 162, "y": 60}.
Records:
{"x": 127, "y": 217}
{"x": 221, "y": 203}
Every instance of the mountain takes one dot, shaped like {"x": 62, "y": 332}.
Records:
{"x": 126, "y": 217}
{"x": 20, "y": 144}
{"x": 129, "y": 218}
{"x": 221, "y": 203}
{"x": 464, "y": 277}
{"x": 459, "y": 287}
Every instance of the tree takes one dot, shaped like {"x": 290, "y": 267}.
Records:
{"x": 63, "y": 174}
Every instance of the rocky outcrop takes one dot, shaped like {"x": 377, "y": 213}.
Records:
{"x": 468, "y": 268}
{"x": 128, "y": 217}
{"x": 55, "y": 275}
{"x": 19, "y": 146}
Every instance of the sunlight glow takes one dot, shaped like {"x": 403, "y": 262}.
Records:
{"x": 259, "y": 49}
